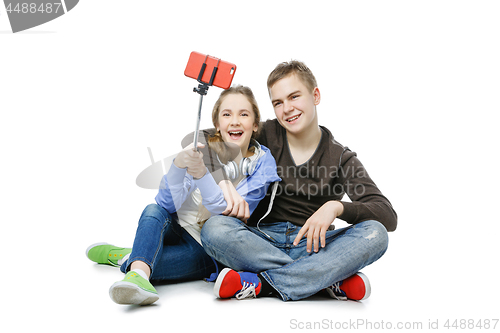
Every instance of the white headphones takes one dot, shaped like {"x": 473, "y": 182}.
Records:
{"x": 247, "y": 165}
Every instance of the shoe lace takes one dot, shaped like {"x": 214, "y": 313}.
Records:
{"x": 247, "y": 291}
{"x": 337, "y": 292}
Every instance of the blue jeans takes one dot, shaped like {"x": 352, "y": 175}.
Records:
{"x": 291, "y": 270}
{"x": 170, "y": 252}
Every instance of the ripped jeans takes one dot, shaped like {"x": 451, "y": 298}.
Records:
{"x": 291, "y": 270}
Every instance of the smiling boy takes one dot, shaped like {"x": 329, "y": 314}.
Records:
{"x": 289, "y": 248}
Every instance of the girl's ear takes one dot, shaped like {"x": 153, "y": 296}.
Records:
{"x": 255, "y": 128}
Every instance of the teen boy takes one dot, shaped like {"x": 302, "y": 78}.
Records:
{"x": 289, "y": 247}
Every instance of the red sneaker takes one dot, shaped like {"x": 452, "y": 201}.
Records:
{"x": 356, "y": 287}
{"x": 241, "y": 285}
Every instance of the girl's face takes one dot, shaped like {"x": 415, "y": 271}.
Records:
{"x": 237, "y": 121}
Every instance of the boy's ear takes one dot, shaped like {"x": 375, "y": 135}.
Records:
{"x": 317, "y": 96}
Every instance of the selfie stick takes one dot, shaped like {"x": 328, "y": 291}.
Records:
{"x": 202, "y": 90}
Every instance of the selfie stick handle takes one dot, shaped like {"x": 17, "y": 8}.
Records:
{"x": 197, "y": 125}
{"x": 202, "y": 90}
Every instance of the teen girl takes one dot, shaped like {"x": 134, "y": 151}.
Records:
{"x": 167, "y": 243}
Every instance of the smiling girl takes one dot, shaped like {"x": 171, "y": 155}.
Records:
{"x": 167, "y": 244}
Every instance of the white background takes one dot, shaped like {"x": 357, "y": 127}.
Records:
{"x": 411, "y": 86}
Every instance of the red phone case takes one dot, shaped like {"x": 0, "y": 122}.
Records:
{"x": 223, "y": 77}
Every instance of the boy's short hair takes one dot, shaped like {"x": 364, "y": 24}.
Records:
{"x": 296, "y": 67}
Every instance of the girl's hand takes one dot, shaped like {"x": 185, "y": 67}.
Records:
{"x": 236, "y": 205}
{"x": 192, "y": 160}
{"x": 317, "y": 225}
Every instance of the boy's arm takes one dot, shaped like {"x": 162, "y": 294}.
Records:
{"x": 317, "y": 225}
{"x": 368, "y": 202}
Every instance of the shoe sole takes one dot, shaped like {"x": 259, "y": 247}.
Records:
{"x": 129, "y": 293}
{"x": 219, "y": 280}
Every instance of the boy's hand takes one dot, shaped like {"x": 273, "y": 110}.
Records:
{"x": 236, "y": 205}
{"x": 317, "y": 225}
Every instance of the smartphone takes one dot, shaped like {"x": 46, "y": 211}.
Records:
{"x": 223, "y": 77}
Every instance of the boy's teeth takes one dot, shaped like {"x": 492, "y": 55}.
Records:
{"x": 292, "y": 119}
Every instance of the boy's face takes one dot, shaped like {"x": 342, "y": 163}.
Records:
{"x": 294, "y": 105}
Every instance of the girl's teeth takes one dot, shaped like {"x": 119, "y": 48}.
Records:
{"x": 235, "y": 135}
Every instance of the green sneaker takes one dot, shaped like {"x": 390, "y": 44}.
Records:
{"x": 133, "y": 289}
{"x": 104, "y": 253}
